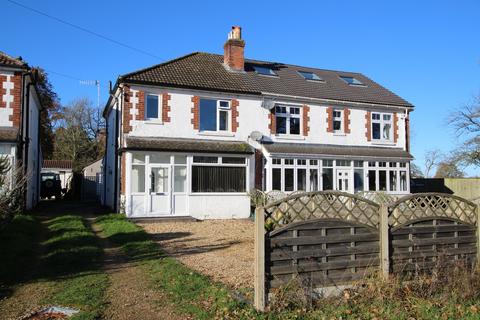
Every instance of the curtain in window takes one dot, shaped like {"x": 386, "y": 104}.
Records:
{"x": 218, "y": 179}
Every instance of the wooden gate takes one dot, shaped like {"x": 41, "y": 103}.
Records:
{"x": 431, "y": 230}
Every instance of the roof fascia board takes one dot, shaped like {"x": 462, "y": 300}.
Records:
{"x": 329, "y": 156}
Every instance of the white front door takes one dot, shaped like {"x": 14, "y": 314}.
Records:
{"x": 343, "y": 180}
{"x": 160, "y": 193}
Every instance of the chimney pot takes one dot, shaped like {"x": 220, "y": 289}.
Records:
{"x": 233, "y": 56}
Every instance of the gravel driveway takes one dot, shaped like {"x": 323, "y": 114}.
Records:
{"x": 221, "y": 249}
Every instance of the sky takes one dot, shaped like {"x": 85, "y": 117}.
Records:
{"x": 427, "y": 52}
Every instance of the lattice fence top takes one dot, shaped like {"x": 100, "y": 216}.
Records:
{"x": 321, "y": 204}
{"x": 378, "y": 197}
{"x": 424, "y": 205}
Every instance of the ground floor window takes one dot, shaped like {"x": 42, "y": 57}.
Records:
{"x": 219, "y": 174}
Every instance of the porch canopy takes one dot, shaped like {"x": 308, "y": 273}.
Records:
{"x": 187, "y": 145}
{"x": 8, "y": 134}
{"x": 336, "y": 151}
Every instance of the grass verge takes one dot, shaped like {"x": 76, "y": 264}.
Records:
{"x": 73, "y": 260}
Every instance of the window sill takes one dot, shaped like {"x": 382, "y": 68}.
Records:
{"x": 340, "y": 134}
{"x": 383, "y": 143}
{"x": 216, "y": 134}
{"x": 288, "y": 137}
{"x": 152, "y": 122}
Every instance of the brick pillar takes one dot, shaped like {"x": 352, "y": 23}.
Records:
{"x": 127, "y": 106}
{"x": 196, "y": 112}
{"x": 306, "y": 120}
{"x": 235, "y": 114}
{"x": 3, "y": 91}
{"x": 346, "y": 118}
{"x": 272, "y": 125}
{"x": 258, "y": 169}
{"x": 368, "y": 126}
{"x": 165, "y": 107}
{"x": 395, "y": 127}
{"x": 330, "y": 119}
{"x": 16, "y": 105}
{"x": 141, "y": 105}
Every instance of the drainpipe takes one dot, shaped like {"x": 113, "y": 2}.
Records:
{"x": 117, "y": 136}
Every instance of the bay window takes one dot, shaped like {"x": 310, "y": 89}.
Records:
{"x": 214, "y": 115}
{"x": 217, "y": 174}
{"x": 382, "y": 126}
{"x": 287, "y": 120}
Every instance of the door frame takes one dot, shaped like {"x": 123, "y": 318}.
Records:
{"x": 349, "y": 177}
{"x": 169, "y": 194}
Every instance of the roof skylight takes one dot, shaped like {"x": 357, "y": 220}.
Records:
{"x": 352, "y": 81}
{"x": 264, "y": 70}
{"x": 310, "y": 76}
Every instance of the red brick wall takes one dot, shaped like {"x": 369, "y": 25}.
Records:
{"x": 196, "y": 112}
{"x": 258, "y": 169}
{"x": 141, "y": 105}
{"x": 395, "y": 127}
{"x": 165, "y": 107}
{"x": 330, "y": 119}
{"x": 306, "y": 120}
{"x": 17, "y": 99}
{"x": 127, "y": 106}
{"x": 272, "y": 125}
{"x": 235, "y": 114}
{"x": 346, "y": 118}
{"x": 2, "y": 91}
{"x": 368, "y": 126}
{"x": 234, "y": 54}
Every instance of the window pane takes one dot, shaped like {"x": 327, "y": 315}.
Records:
{"x": 218, "y": 179}
{"x": 313, "y": 185}
{"x": 327, "y": 177}
{"x": 180, "y": 159}
{"x": 276, "y": 179}
{"x": 288, "y": 179}
{"x": 159, "y": 180}
{"x": 138, "y": 158}
{"x": 327, "y": 163}
{"x": 180, "y": 179}
{"x": 358, "y": 180}
{"x": 233, "y": 160}
{"x": 138, "y": 178}
{"x": 337, "y": 125}
{"x": 294, "y": 110}
{"x": 302, "y": 179}
{"x": 313, "y": 162}
{"x": 288, "y": 162}
{"x": 372, "y": 182}
{"x": 386, "y": 131}
{"x": 358, "y": 164}
{"x": 393, "y": 180}
{"x": 294, "y": 125}
{"x": 382, "y": 180}
{"x": 208, "y": 115}
{"x": 403, "y": 181}
{"x": 276, "y": 161}
{"x": 376, "y": 130}
{"x": 301, "y": 162}
{"x": 159, "y": 158}
{"x": 152, "y": 107}
{"x": 223, "y": 125}
{"x": 201, "y": 159}
{"x": 281, "y": 126}
{"x": 343, "y": 163}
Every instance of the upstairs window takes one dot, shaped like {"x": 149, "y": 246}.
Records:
{"x": 337, "y": 120}
{"x": 352, "y": 81}
{"x": 310, "y": 76}
{"x": 287, "y": 120}
{"x": 266, "y": 71}
{"x": 214, "y": 115}
{"x": 152, "y": 107}
{"x": 382, "y": 126}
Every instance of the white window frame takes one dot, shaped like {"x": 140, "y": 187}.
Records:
{"x": 341, "y": 119}
{"x": 219, "y": 108}
{"x": 288, "y": 115}
{"x": 159, "y": 107}
{"x": 397, "y": 168}
{"x": 382, "y": 123}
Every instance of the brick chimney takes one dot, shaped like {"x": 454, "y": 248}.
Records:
{"x": 233, "y": 56}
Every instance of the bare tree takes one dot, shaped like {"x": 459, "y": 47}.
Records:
{"x": 431, "y": 160}
{"x": 12, "y": 186}
{"x": 415, "y": 171}
{"x": 448, "y": 169}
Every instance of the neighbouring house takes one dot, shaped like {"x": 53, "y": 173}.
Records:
{"x": 92, "y": 182}
{"x": 64, "y": 168}
{"x": 192, "y": 136}
{"x": 20, "y": 109}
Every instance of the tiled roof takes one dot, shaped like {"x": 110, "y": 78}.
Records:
{"x": 8, "y": 134}
{"x": 188, "y": 145}
{"x": 206, "y": 71}
{"x": 7, "y": 60}
{"x": 57, "y": 164}
{"x": 337, "y": 150}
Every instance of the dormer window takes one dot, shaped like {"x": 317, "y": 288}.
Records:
{"x": 152, "y": 107}
{"x": 352, "y": 81}
{"x": 310, "y": 76}
{"x": 214, "y": 115}
{"x": 287, "y": 120}
{"x": 264, "y": 71}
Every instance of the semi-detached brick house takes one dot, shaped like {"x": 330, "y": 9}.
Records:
{"x": 19, "y": 123}
{"x": 192, "y": 136}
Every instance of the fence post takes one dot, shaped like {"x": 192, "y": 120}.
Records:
{"x": 259, "y": 280}
{"x": 384, "y": 244}
{"x": 478, "y": 234}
